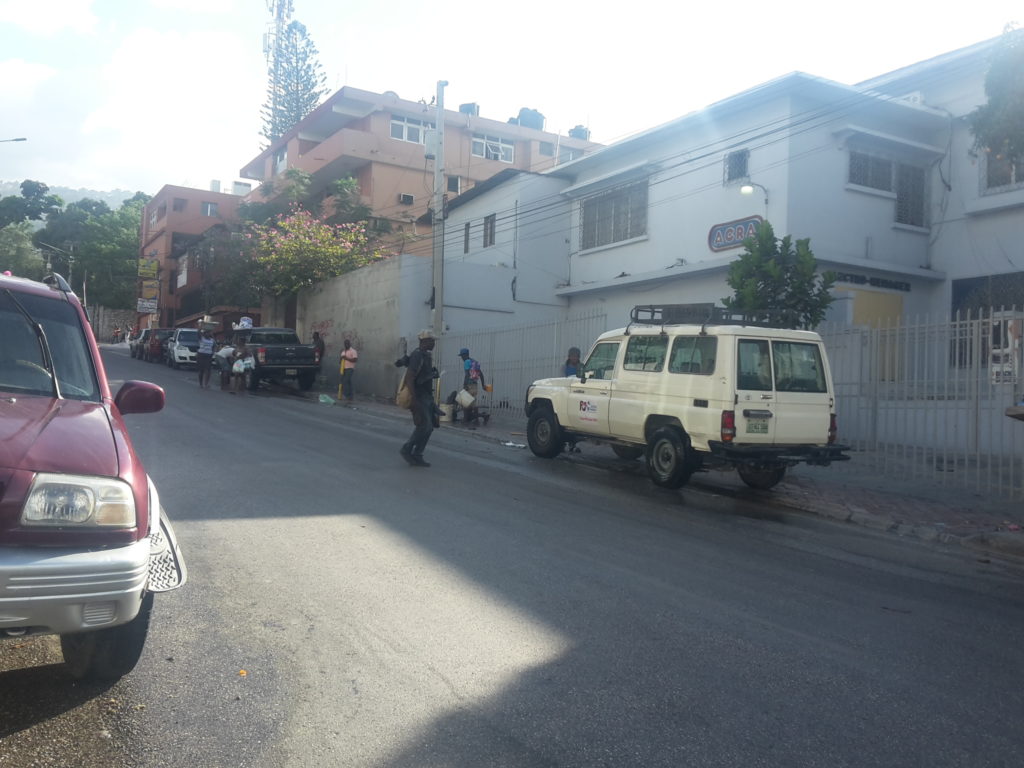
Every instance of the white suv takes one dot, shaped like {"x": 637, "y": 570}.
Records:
{"x": 687, "y": 396}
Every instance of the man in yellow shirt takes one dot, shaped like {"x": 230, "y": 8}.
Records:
{"x": 349, "y": 356}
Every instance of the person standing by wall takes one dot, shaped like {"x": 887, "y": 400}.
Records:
{"x": 204, "y": 357}
{"x": 319, "y": 346}
{"x": 349, "y": 356}
{"x": 420, "y": 376}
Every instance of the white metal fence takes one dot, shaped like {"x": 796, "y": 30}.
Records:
{"x": 927, "y": 398}
{"x": 514, "y": 357}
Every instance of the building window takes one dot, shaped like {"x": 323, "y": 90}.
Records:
{"x": 152, "y": 218}
{"x": 454, "y": 184}
{"x": 179, "y": 204}
{"x": 547, "y": 149}
{"x": 465, "y": 238}
{"x": 736, "y": 165}
{"x": 489, "y": 227}
{"x": 1002, "y": 173}
{"x": 493, "y": 148}
{"x": 870, "y": 171}
{"x": 208, "y": 209}
{"x": 568, "y": 154}
{"x": 410, "y": 129}
{"x": 614, "y": 216}
{"x": 280, "y": 160}
{"x": 910, "y": 195}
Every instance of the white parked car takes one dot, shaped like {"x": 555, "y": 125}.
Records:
{"x": 688, "y": 396}
{"x": 182, "y": 347}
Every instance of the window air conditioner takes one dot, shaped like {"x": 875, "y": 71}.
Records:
{"x": 406, "y": 199}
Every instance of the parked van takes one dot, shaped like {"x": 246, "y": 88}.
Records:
{"x": 688, "y": 396}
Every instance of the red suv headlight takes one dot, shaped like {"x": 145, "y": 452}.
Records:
{"x": 79, "y": 500}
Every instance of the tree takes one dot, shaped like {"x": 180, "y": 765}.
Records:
{"x": 17, "y": 253}
{"x": 225, "y": 259}
{"x": 998, "y": 125}
{"x": 108, "y": 253}
{"x": 296, "y": 82}
{"x": 301, "y": 251}
{"x": 33, "y": 204}
{"x": 777, "y": 283}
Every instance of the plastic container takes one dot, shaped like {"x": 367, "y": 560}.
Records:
{"x": 447, "y": 409}
{"x": 465, "y": 399}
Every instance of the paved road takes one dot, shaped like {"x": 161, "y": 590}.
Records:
{"x": 345, "y": 609}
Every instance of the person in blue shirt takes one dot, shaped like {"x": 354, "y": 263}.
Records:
{"x": 204, "y": 357}
{"x": 572, "y": 362}
{"x": 472, "y": 381}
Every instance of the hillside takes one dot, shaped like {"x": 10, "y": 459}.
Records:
{"x": 112, "y": 198}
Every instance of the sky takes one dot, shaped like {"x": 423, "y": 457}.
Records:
{"x": 135, "y": 94}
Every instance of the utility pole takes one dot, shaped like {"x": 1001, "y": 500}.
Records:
{"x": 437, "y": 221}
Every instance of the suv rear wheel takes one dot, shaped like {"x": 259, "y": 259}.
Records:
{"x": 108, "y": 654}
{"x": 669, "y": 463}
{"x": 544, "y": 434}
{"x": 761, "y": 476}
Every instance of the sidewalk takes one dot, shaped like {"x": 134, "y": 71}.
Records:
{"x": 904, "y": 507}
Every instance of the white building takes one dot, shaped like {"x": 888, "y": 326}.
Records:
{"x": 880, "y": 176}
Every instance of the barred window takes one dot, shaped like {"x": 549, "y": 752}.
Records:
{"x": 910, "y": 195}
{"x": 736, "y": 165}
{"x": 614, "y": 216}
{"x": 870, "y": 171}
{"x": 489, "y": 229}
{"x": 1001, "y": 171}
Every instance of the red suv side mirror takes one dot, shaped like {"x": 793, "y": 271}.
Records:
{"x": 139, "y": 397}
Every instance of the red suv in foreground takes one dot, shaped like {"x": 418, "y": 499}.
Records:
{"x": 84, "y": 542}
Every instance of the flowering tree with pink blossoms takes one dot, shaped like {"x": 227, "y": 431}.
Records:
{"x": 300, "y": 250}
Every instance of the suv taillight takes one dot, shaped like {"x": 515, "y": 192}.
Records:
{"x": 833, "y": 428}
{"x": 316, "y": 356}
{"x": 261, "y": 354}
{"x": 728, "y": 426}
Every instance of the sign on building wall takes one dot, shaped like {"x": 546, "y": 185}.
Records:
{"x": 146, "y": 306}
{"x": 150, "y": 289}
{"x": 148, "y": 268}
{"x": 183, "y": 274}
{"x": 731, "y": 234}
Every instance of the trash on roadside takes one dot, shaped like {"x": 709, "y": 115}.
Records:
{"x": 326, "y": 399}
{"x": 513, "y": 445}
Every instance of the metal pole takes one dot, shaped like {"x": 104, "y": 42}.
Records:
{"x": 437, "y": 222}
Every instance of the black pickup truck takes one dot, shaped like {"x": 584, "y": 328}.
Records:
{"x": 279, "y": 355}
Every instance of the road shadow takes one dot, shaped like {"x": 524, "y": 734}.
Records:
{"x": 37, "y": 694}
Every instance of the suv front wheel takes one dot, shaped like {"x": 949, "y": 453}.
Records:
{"x": 544, "y": 434}
{"x": 669, "y": 463}
{"x": 108, "y": 654}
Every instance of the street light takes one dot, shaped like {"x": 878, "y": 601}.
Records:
{"x": 748, "y": 189}
{"x": 21, "y": 139}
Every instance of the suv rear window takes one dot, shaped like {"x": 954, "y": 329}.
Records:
{"x": 798, "y": 367}
{"x": 22, "y": 368}
{"x": 693, "y": 354}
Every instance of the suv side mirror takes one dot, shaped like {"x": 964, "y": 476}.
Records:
{"x": 139, "y": 397}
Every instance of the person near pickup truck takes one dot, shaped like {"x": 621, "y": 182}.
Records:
{"x": 349, "y": 356}
{"x": 572, "y": 362}
{"x": 204, "y": 357}
{"x": 319, "y": 346}
{"x": 420, "y": 376}
{"x": 242, "y": 364}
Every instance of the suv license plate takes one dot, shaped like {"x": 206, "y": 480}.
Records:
{"x": 757, "y": 426}
{"x": 290, "y": 371}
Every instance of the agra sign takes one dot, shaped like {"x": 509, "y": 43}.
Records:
{"x": 731, "y": 234}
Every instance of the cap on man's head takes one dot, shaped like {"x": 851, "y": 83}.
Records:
{"x": 426, "y": 333}
{"x": 463, "y": 352}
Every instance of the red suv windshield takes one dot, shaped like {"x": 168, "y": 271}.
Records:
{"x": 22, "y": 365}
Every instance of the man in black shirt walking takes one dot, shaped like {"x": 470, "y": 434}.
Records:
{"x": 420, "y": 377}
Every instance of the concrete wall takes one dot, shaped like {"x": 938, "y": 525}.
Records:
{"x": 362, "y": 306}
